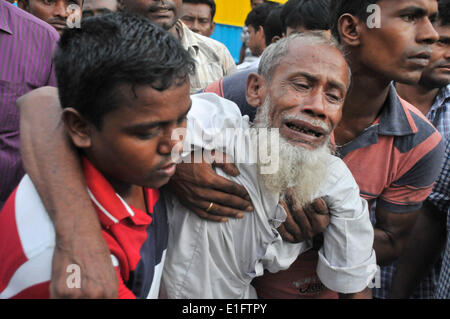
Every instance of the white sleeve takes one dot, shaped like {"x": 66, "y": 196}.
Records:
{"x": 208, "y": 121}
{"x": 347, "y": 260}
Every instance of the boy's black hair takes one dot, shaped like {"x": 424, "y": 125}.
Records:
{"x": 257, "y": 17}
{"x": 273, "y": 26}
{"x": 113, "y": 49}
{"x": 444, "y": 12}
{"x": 310, "y": 14}
{"x": 288, "y": 7}
{"x": 358, "y": 8}
{"x": 210, "y": 3}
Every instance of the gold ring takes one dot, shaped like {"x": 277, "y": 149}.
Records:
{"x": 210, "y": 206}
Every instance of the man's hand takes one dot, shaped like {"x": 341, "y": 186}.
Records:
{"x": 96, "y": 280}
{"x": 197, "y": 186}
{"x": 303, "y": 223}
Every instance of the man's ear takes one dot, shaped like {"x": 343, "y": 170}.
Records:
{"x": 77, "y": 127}
{"x": 213, "y": 27}
{"x": 256, "y": 90}
{"x": 275, "y": 39}
{"x": 261, "y": 33}
{"x": 349, "y": 28}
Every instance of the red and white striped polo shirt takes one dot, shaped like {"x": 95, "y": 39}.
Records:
{"x": 137, "y": 241}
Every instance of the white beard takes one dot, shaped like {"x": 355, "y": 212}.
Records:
{"x": 301, "y": 169}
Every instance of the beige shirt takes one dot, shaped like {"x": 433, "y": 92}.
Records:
{"x": 213, "y": 60}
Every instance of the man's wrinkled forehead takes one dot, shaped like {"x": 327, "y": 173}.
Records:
{"x": 315, "y": 58}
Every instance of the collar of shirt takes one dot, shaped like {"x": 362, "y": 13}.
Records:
{"x": 4, "y": 14}
{"x": 187, "y": 38}
{"x": 442, "y": 99}
{"x": 110, "y": 207}
{"x": 395, "y": 119}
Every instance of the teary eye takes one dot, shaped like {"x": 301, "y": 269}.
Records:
{"x": 301, "y": 85}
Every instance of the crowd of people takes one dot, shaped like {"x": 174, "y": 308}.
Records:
{"x": 106, "y": 105}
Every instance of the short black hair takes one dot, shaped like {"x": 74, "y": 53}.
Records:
{"x": 444, "y": 12}
{"x": 288, "y": 7}
{"x": 113, "y": 49}
{"x": 210, "y": 3}
{"x": 273, "y": 26}
{"x": 257, "y": 17}
{"x": 310, "y": 14}
{"x": 357, "y": 8}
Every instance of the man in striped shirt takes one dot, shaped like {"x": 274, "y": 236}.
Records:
{"x": 26, "y": 50}
{"x": 432, "y": 97}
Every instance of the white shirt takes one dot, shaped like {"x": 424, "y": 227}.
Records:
{"x": 213, "y": 61}
{"x": 249, "y": 65}
{"x": 219, "y": 260}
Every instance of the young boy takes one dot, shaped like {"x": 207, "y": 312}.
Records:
{"x": 121, "y": 99}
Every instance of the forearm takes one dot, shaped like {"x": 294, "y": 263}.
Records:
{"x": 391, "y": 234}
{"x": 387, "y": 246}
{"x": 420, "y": 253}
{"x": 386, "y": 249}
{"x": 54, "y": 166}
